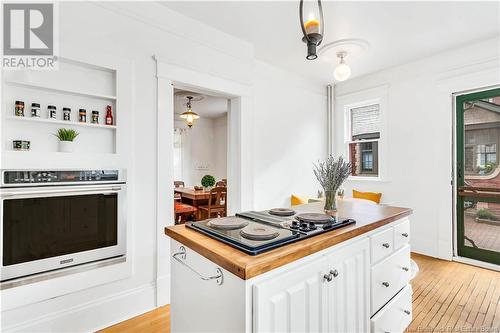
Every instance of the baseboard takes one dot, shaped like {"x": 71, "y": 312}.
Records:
{"x": 163, "y": 290}
{"x": 94, "y": 315}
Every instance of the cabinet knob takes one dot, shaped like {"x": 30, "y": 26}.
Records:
{"x": 385, "y": 284}
{"x": 386, "y": 245}
{"x": 406, "y": 269}
{"x": 327, "y": 277}
{"x": 407, "y": 312}
{"x": 334, "y": 272}
{"x": 404, "y": 234}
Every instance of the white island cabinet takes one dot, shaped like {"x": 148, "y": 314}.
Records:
{"x": 329, "y": 294}
{"x": 358, "y": 284}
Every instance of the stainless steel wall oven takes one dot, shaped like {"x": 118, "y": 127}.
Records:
{"x": 56, "y": 219}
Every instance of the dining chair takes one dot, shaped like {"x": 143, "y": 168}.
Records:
{"x": 217, "y": 203}
{"x": 178, "y": 183}
{"x": 220, "y": 183}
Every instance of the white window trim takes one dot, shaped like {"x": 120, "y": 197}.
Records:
{"x": 381, "y": 141}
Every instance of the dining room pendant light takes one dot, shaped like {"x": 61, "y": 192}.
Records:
{"x": 313, "y": 27}
{"x": 189, "y": 116}
{"x": 342, "y": 71}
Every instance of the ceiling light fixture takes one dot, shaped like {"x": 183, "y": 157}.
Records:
{"x": 312, "y": 29}
{"x": 342, "y": 71}
{"x": 189, "y": 116}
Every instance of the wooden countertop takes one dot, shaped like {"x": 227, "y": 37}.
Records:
{"x": 368, "y": 217}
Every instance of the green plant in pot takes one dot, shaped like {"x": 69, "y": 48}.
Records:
{"x": 331, "y": 174}
{"x": 66, "y": 137}
{"x": 208, "y": 181}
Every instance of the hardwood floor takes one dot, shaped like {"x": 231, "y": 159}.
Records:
{"x": 447, "y": 297}
{"x": 156, "y": 321}
{"x": 454, "y": 297}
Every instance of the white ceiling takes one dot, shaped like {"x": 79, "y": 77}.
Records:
{"x": 398, "y": 32}
{"x": 209, "y": 107}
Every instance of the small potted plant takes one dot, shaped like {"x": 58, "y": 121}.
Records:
{"x": 66, "y": 137}
{"x": 331, "y": 174}
{"x": 208, "y": 182}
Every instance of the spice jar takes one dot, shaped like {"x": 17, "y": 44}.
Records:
{"x": 52, "y": 111}
{"x": 19, "y": 109}
{"x": 35, "y": 110}
{"x": 82, "y": 116}
{"x": 67, "y": 114}
{"x": 95, "y": 117}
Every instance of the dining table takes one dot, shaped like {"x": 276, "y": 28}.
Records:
{"x": 193, "y": 197}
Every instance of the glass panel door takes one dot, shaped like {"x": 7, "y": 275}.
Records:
{"x": 478, "y": 175}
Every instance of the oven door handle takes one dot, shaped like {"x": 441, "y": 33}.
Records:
{"x": 108, "y": 189}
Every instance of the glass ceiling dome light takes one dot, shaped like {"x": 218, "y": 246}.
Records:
{"x": 189, "y": 116}
{"x": 312, "y": 28}
{"x": 342, "y": 71}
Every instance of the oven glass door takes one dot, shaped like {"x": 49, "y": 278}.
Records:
{"x": 37, "y": 228}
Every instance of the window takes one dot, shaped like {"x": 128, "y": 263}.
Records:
{"x": 486, "y": 157}
{"x": 363, "y": 139}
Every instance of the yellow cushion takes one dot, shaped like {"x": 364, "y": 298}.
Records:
{"x": 296, "y": 200}
{"x": 372, "y": 196}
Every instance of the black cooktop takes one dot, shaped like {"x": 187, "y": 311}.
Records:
{"x": 256, "y": 232}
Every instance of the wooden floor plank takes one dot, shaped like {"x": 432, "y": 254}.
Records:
{"x": 447, "y": 297}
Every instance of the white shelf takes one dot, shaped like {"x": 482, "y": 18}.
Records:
{"x": 58, "y": 90}
{"x": 60, "y": 122}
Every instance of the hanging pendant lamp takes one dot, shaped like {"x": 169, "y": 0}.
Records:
{"x": 313, "y": 28}
{"x": 189, "y": 116}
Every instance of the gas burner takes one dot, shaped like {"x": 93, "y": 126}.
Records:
{"x": 314, "y": 218}
{"x": 282, "y": 212}
{"x": 259, "y": 232}
{"x": 228, "y": 223}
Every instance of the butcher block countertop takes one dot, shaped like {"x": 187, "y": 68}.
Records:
{"x": 368, "y": 217}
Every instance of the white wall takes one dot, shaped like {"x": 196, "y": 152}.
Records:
{"x": 220, "y": 147}
{"x": 418, "y": 118}
{"x": 289, "y": 132}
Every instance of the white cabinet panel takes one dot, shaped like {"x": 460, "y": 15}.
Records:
{"x": 349, "y": 290}
{"x": 330, "y": 294}
{"x": 396, "y": 315}
{"x": 382, "y": 244}
{"x": 401, "y": 234}
{"x": 292, "y": 302}
{"x": 390, "y": 276}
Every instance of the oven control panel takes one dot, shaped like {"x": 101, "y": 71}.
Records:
{"x": 67, "y": 176}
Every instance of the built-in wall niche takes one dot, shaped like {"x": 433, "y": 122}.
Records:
{"x": 75, "y": 85}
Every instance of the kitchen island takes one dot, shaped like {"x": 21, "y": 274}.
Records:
{"x": 352, "y": 279}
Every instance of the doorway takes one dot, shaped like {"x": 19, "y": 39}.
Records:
{"x": 478, "y": 175}
{"x": 200, "y": 155}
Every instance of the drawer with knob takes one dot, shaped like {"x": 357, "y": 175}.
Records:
{"x": 382, "y": 245}
{"x": 389, "y": 276}
{"x": 396, "y": 315}
{"x": 401, "y": 234}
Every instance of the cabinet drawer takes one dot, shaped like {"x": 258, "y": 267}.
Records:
{"x": 390, "y": 276}
{"x": 396, "y": 315}
{"x": 401, "y": 234}
{"x": 382, "y": 244}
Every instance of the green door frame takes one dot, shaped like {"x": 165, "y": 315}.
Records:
{"x": 467, "y": 251}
